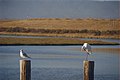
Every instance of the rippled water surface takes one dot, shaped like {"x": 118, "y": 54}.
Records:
{"x": 60, "y": 62}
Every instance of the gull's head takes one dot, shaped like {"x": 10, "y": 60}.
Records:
{"x": 21, "y": 50}
{"x": 87, "y": 48}
{"x": 85, "y": 44}
{"x": 84, "y": 47}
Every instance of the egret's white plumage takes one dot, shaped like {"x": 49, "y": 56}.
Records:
{"x": 23, "y": 54}
{"x": 87, "y": 48}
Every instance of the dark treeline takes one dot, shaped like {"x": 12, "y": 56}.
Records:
{"x": 59, "y": 31}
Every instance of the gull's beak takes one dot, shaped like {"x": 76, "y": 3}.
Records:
{"x": 21, "y": 50}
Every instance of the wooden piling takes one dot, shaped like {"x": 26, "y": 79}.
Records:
{"x": 88, "y": 70}
{"x": 25, "y": 70}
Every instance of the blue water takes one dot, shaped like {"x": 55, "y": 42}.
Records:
{"x": 59, "y": 62}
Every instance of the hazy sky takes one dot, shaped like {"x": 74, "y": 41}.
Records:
{"x": 59, "y": 9}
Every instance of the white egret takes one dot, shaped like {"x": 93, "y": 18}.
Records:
{"x": 87, "y": 48}
{"x": 23, "y": 54}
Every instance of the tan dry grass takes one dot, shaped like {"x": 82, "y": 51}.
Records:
{"x": 63, "y": 24}
{"x": 56, "y": 23}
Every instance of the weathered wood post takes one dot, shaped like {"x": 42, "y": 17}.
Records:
{"x": 88, "y": 70}
{"x": 25, "y": 70}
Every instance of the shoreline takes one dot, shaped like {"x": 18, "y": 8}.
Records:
{"x": 53, "y": 44}
{"x": 51, "y": 41}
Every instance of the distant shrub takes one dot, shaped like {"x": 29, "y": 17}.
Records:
{"x": 84, "y": 31}
{"x": 59, "y": 31}
{"x": 97, "y": 33}
{"x": 113, "y": 32}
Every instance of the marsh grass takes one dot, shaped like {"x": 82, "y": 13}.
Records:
{"x": 64, "y": 23}
{"x": 103, "y": 28}
{"x": 48, "y": 41}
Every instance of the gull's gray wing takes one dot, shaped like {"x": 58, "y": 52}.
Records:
{"x": 24, "y": 54}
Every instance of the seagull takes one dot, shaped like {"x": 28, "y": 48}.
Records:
{"x": 87, "y": 48}
{"x": 23, "y": 54}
